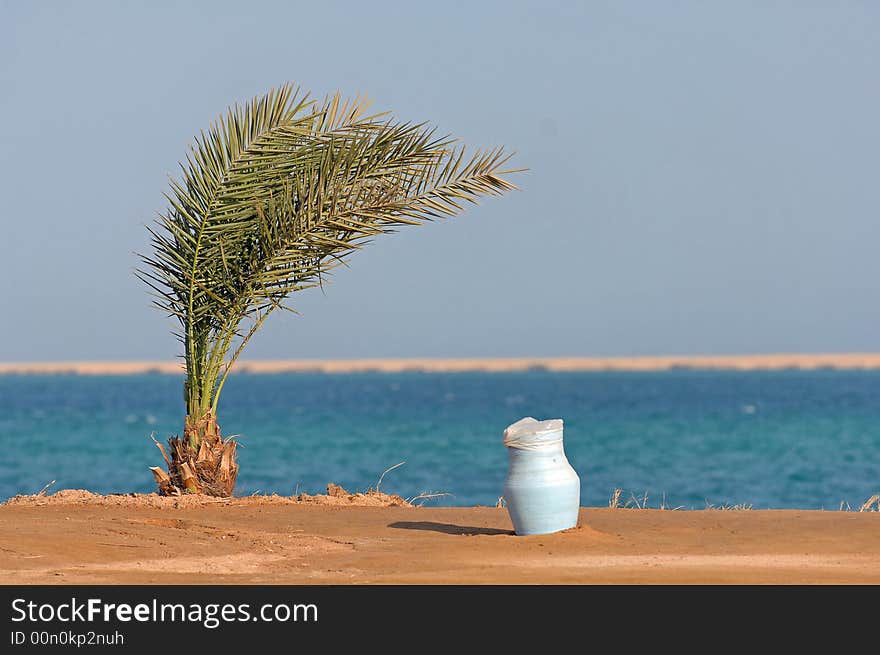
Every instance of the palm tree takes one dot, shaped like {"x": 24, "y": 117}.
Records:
{"x": 273, "y": 196}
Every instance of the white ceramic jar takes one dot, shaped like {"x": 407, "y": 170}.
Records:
{"x": 542, "y": 490}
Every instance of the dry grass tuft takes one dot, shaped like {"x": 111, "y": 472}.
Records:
{"x": 873, "y": 501}
{"x": 728, "y": 507}
{"x": 641, "y": 502}
{"x": 425, "y": 496}
{"x": 614, "y": 501}
{"x": 382, "y": 477}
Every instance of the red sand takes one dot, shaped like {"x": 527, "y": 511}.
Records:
{"x": 76, "y": 537}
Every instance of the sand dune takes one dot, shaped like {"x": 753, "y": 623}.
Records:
{"x": 652, "y": 363}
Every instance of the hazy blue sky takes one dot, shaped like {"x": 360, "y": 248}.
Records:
{"x": 704, "y": 175}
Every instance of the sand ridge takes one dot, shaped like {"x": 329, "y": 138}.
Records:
{"x": 336, "y": 496}
{"x": 453, "y": 365}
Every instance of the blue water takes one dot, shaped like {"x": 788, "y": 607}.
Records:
{"x": 787, "y": 439}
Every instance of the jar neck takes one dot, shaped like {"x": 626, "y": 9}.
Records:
{"x": 549, "y": 449}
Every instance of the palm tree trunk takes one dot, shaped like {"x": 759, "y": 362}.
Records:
{"x": 201, "y": 461}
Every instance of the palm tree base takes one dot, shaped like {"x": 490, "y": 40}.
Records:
{"x": 201, "y": 461}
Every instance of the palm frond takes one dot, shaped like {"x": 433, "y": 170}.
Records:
{"x": 276, "y": 194}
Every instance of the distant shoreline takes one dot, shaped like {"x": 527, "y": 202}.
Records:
{"x": 847, "y": 361}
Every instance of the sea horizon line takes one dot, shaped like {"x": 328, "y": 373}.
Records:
{"x": 773, "y": 361}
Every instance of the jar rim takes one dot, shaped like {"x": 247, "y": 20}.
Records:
{"x": 528, "y": 433}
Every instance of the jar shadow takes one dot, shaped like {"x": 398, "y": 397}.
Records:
{"x": 447, "y": 528}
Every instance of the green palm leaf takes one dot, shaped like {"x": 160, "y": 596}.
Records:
{"x": 276, "y": 194}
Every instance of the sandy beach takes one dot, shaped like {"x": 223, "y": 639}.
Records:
{"x": 84, "y": 539}
{"x": 447, "y": 365}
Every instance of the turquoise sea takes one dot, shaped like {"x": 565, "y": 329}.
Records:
{"x": 784, "y": 439}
